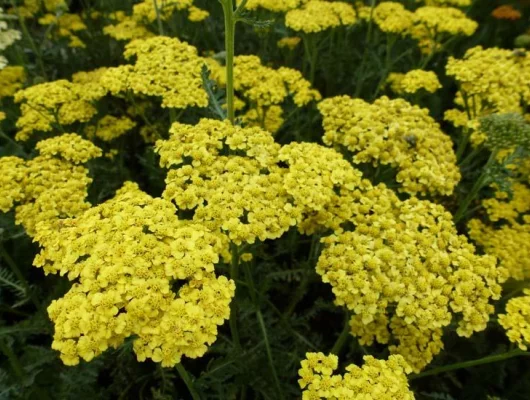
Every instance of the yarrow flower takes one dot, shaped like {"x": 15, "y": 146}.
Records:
{"x": 32, "y": 8}
{"x": 414, "y": 81}
{"x": 109, "y": 128}
{"x": 264, "y": 89}
{"x": 273, "y": 5}
{"x": 318, "y": 15}
{"x": 289, "y": 42}
{"x": 432, "y": 26}
{"x": 229, "y": 177}
{"x": 50, "y": 186}
{"x": 516, "y": 321}
{"x": 65, "y": 26}
{"x": 395, "y": 133}
{"x": 392, "y": 17}
{"x": 490, "y": 81}
{"x": 164, "y": 67}
{"x": 135, "y": 26}
{"x": 124, "y": 256}
{"x": 376, "y": 379}
{"x": 46, "y": 105}
{"x": 405, "y": 273}
{"x": 508, "y": 237}
{"x": 12, "y": 79}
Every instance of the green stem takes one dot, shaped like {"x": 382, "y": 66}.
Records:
{"x": 13, "y": 360}
{"x": 158, "y": 19}
{"x": 269, "y": 353}
{"x": 14, "y": 267}
{"x": 30, "y": 40}
{"x": 343, "y": 337}
{"x": 230, "y": 33}
{"x": 188, "y": 381}
{"x": 462, "y": 144}
{"x": 302, "y": 287}
{"x": 472, "y": 363}
{"x": 234, "y": 273}
{"x": 479, "y": 184}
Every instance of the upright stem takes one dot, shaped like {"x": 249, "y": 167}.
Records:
{"x": 185, "y": 376}
{"x": 472, "y": 363}
{"x": 230, "y": 33}
{"x": 269, "y": 353}
{"x": 343, "y": 337}
{"x": 30, "y": 40}
{"x": 479, "y": 184}
{"x": 158, "y": 19}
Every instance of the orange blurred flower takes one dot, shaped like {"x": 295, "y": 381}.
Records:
{"x": 506, "y": 12}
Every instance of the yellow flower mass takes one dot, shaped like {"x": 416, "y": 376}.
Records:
{"x": 123, "y": 256}
{"x": 408, "y": 256}
{"x": 395, "y": 133}
{"x": 375, "y": 380}
{"x": 516, "y": 321}
{"x": 317, "y": 16}
{"x": 414, "y": 81}
{"x": 12, "y": 79}
{"x": 177, "y": 82}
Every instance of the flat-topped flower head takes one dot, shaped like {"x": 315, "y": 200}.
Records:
{"x": 273, "y": 5}
{"x": 376, "y": 379}
{"x": 125, "y": 257}
{"x": 163, "y": 67}
{"x": 12, "y": 79}
{"x": 516, "y": 321}
{"x": 414, "y": 81}
{"x": 70, "y": 147}
{"x": 408, "y": 256}
{"x": 395, "y": 133}
{"x": 229, "y": 177}
{"x": 318, "y": 15}
{"x": 109, "y": 128}
{"x": 392, "y": 17}
{"x": 433, "y": 26}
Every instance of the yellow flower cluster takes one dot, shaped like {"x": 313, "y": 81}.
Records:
{"x": 447, "y": 3}
{"x": 135, "y": 26}
{"x": 264, "y": 86}
{"x": 229, "y": 177}
{"x": 490, "y": 81}
{"x": 516, "y": 321}
{"x": 70, "y": 147}
{"x": 127, "y": 28}
{"x": 392, "y": 17}
{"x": 48, "y": 188}
{"x": 46, "y": 105}
{"x": 270, "y": 119}
{"x": 124, "y": 256}
{"x": 265, "y": 89}
{"x": 375, "y": 380}
{"x": 11, "y": 174}
{"x": 31, "y": 8}
{"x": 322, "y": 183}
{"x": 509, "y": 242}
{"x": 393, "y": 132}
{"x": 273, "y": 5}
{"x": 504, "y": 207}
{"x": 146, "y": 10}
{"x": 2, "y": 116}
{"x": 11, "y": 79}
{"x": 414, "y": 81}
{"x": 109, "y": 128}
{"x": 164, "y": 67}
{"x": 318, "y": 15}
{"x": 432, "y": 26}
{"x": 405, "y": 271}
{"x": 65, "y": 26}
